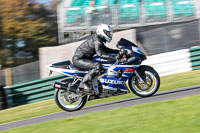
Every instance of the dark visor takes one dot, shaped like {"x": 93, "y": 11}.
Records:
{"x": 108, "y": 33}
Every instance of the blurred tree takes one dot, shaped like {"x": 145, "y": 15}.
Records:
{"x": 25, "y": 26}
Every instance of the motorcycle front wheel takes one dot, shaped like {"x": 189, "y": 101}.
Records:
{"x": 69, "y": 101}
{"x": 150, "y": 85}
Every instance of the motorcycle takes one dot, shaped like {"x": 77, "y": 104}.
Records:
{"x": 116, "y": 78}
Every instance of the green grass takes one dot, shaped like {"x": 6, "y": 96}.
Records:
{"x": 49, "y": 106}
{"x": 180, "y": 80}
{"x": 172, "y": 116}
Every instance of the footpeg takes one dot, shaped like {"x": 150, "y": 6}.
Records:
{"x": 89, "y": 92}
{"x": 85, "y": 91}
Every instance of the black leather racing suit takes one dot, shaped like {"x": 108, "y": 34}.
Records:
{"x": 83, "y": 56}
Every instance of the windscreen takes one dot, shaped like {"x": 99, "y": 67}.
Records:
{"x": 125, "y": 42}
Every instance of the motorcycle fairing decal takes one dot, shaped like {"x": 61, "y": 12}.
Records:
{"x": 105, "y": 66}
{"x": 74, "y": 74}
{"x": 103, "y": 61}
{"x": 126, "y": 68}
{"x": 111, "y": 80}
{"x": 114, "y": 82}
{"x": 129, "y": 70}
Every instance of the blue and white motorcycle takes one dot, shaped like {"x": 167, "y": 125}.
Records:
{"x": 116, "y": 79}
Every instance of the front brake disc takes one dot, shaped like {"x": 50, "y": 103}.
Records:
{"x": 148, "y": 83}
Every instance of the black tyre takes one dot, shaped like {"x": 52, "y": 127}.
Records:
{"x": 64, "y": 104}
{"x": 69, "y": 101}
{"x": 151, "y": 79}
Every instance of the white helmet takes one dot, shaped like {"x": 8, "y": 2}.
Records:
{"x": 105, "y": 32}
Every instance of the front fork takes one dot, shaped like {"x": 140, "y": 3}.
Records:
{"x": 141, "y": 80}
{"x": 143, "y": 83}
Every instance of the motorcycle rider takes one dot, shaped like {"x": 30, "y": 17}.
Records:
{"x": 83, "y": 55}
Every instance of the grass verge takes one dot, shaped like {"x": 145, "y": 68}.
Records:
{"x": 49, "y": 106}
{"x": 173, "y": 116}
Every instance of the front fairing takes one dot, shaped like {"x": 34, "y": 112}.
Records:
{"x": 111, "y": 81}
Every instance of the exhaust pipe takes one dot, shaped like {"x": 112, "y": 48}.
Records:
{"x": 58, "y": 85}
{"x": 66, "y": 87}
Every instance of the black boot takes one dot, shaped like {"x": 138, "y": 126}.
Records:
{"x": 86, "y": 84}
{"x": 86, "y": 88}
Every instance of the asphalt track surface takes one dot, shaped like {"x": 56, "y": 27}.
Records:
{"x": 162, "y": 96}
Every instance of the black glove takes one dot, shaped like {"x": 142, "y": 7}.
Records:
{"x": 122, "y": 56}
{"x": 123, "y": 59}
{"x": 123, "y": 52}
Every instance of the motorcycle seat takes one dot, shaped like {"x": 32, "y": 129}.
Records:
{"x": 74, "y": 68}
{"x": 64, "y": 63}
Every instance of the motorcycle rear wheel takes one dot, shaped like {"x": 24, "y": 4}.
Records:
{"x": 151, "y": 79}
{"x": 69, "y": 101}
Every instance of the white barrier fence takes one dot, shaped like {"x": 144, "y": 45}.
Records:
{"x": 170, "y": 62}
